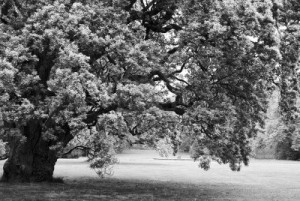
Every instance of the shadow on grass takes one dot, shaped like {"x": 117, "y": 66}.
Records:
{"x": 97, "y": 189}
{"x": 143, "y": 164}
{"x": 85, "y": 189}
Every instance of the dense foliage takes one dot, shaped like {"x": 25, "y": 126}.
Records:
{"x": 283, "y": 133}
{"x": 288, "y": 13}
{"x": 96, "y": 74}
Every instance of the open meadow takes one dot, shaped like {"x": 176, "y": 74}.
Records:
{"x": 142, "y": 175}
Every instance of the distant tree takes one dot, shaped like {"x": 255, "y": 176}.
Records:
{"x": 286, "y": 136}
{"x": 94, "y": 73}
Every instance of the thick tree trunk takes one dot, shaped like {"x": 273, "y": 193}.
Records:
{"x": 30, "y": 159}
{"x": 27, "y": 164}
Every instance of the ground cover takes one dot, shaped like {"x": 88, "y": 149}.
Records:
{"x": 139, "y": 177}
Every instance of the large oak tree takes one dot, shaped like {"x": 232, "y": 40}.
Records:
{"x": 94, "y": 73}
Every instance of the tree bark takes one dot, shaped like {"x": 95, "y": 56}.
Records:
{"x": 30, "y": 159}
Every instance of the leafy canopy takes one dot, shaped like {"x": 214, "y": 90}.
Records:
{"x": 104, "y": 72}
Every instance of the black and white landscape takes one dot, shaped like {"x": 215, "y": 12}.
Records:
{"x": 149, "y": 99}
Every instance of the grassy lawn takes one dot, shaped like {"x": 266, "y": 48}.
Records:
{"x": 139, "y": 177}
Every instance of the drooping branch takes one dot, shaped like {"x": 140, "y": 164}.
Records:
{"x": 74, "y": 148}
{"x": 92, "y": 116}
